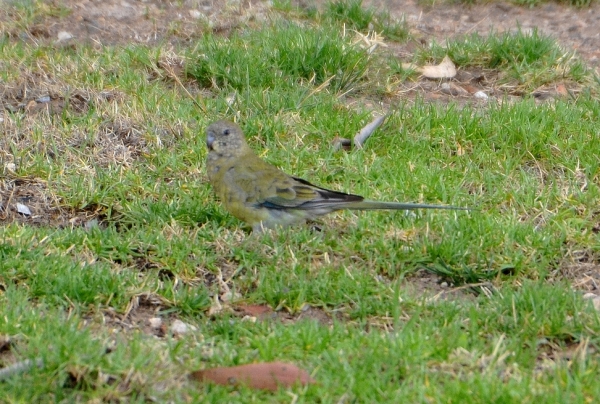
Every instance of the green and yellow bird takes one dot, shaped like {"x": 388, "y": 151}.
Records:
{"x": 264, "y": 196}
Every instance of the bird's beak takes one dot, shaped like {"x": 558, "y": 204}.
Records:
{"x": 210, "y": 138}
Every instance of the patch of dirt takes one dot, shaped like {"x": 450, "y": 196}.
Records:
{"x": 40, "y": 100}
{"x": 142, "y": 314}
{"x": 434, "y": 287}
{"x": 266, "y": 313}
{"x": 37, "y": 99}
{"x": 36, "y": 92}
{"x": 581, "y": 269}
{"x": 109, "y": 22}
{"x": 584, "y": 276}
{"x": 28, "y": 200}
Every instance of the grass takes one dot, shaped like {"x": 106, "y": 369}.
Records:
{"x": 129, "y": 228}
{"x": 285, "y": 54}
{"x": 523, "y": 60}
{"x": 355, "y": 16}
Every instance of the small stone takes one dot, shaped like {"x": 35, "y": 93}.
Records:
{"x": 179, "y": 328}
{"x": 195, "y": 14}
{"x": 64, "y": 36}
{"x": 155, "y": 322}
{"x": 481, "y": 95}
{"x": 44, "y": 99}
{"x": 444, "y": 284}
{"x": 215, "y": 309}
{"x": 10, "y": 166}
{"x": 230, "y": 296}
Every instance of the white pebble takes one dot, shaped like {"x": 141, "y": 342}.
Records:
{"x": 230, "y": 296}
{"x": 481, "y": 95}
{"x": 64, "y": 36}
{"x": 179, "y": 327}
{"x": 155, "y": 322}
{"x": 195, "y": 14}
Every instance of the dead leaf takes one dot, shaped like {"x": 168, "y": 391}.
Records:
{"x": 561, "y": 90}
{"x": 266, "y": 376}
{"x": 470, "y": 89}
{"x": 445, "y": 70}
{"x": 254, "y": 310}
{"x": 30, "y": 106}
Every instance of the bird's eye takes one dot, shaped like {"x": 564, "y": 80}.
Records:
{"x": 226, "y": 132}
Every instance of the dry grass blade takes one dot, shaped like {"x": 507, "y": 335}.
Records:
{"x": 174, "y": 76}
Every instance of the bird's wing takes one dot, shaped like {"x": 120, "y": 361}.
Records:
{"x": 294, "y": 192}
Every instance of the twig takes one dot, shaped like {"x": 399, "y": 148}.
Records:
{"x": 174, "y": 77}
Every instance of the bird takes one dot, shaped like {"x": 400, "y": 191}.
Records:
{"x": 265, "y": 197}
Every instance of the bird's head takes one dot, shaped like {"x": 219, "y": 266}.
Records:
{"x": 225, "y": 138}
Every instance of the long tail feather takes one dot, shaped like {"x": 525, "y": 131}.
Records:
{"x": 372, "y": 205}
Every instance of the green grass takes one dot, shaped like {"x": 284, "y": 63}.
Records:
{"x": 524, "y": 60}
{"x": 355, "y": 16}
{"x": 285, "y": 54}
{"x": 77, "y": 293}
